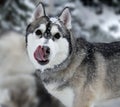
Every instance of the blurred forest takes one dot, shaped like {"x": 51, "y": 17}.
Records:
{"x": 96, "y": 20}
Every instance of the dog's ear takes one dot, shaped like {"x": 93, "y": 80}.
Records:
{"x": 65, "y": 17}
{"x": 39, "y": 11}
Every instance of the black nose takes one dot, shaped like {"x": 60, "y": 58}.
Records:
{"x": 46, "y": 50}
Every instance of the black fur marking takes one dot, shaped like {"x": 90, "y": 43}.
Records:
{"x": 45, "y": 99}
{"x": 47, "y": 33}
{"x": 89, "y": 61}
{"x": 27, "y": 33}
{"x": 70, "y": 44}
{"x": 108, "y": 49}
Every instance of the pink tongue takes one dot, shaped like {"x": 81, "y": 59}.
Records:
{"x": 39, "y": 54}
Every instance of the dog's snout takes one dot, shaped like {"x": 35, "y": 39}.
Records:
{"x": 46, "y": 49}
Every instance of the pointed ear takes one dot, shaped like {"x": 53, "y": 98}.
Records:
{"x": 65, "y": 17}
{"x": 39, "y": 12}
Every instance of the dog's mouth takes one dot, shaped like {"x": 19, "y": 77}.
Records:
{"x": 41, "y": 54}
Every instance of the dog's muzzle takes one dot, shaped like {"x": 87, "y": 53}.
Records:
{"x": 42, "y": 54}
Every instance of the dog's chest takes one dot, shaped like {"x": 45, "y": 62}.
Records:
{"x": 65, "y": 95}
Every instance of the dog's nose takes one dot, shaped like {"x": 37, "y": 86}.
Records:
{"x": 46, "y": 50}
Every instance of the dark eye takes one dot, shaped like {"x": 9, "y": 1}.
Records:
{"x": 38, "y": 32}
{"x": 57, "y": 36}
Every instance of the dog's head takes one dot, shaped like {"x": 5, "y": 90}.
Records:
{"x": 49, "y": 40}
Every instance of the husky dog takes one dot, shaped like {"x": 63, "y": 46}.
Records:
{"x": 75, "y": 71}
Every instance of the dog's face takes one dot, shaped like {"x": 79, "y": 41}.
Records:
{"x": 48, "y": 39}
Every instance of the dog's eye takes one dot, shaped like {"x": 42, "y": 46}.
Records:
{"x": 38, "y": 32}
{"x": 57, "y": 36}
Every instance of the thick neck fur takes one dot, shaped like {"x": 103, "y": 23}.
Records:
{"x": 63, "y": 76}
{"x": 82, "y": 64}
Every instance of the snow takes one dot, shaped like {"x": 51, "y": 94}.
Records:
{"x": 104, "y": 21}
{"x": 86, "y": 17}
{"x": 28, "y": 3}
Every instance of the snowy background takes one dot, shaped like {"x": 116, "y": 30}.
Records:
{"x": 95, "y": 20}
